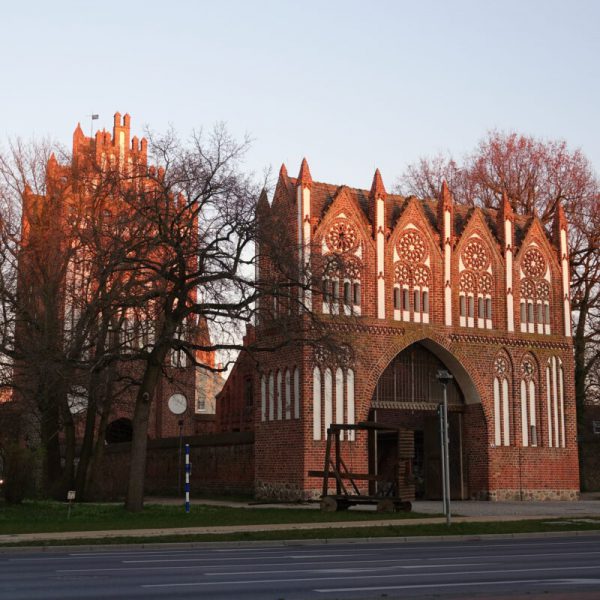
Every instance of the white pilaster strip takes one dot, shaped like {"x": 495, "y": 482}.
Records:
{"x": 379, "y": 227}
{"x": 447, "y": 270}
{"x": 510, "y": 306}
{"x": 566, "y": 284}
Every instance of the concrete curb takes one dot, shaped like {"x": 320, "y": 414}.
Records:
{"x": 86, "y": 548}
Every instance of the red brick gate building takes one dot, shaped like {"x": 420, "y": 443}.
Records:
{"x": 425, "y": 284}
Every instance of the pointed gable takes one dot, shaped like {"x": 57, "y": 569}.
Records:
{"x": 414, "y": 214}
{"x": 536, "y": 234}
{"x": 345, "y": 205}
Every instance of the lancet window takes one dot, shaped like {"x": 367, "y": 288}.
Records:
{"x": 529, "y": 429}
{"x": 555, "y": 402}
{"x": 535, "y": 293}
{"x": 333, "y": 396}
{"x": 342, "y": 270}
{"x": 475, "y": 286}
{"x": 280, "y": 395}
{"x": 412, "y": 278}
{"x": 501, "y": 402}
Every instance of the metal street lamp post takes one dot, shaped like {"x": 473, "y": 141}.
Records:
{"x": 444, "y": 377}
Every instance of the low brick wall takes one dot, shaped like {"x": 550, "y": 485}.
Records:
{"x": 221, "y": 464}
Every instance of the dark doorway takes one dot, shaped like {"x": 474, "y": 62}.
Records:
{"x": 407, "y": 396}
{"x": 387, "y": 462}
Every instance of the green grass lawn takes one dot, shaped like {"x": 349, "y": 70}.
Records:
{"x": 33, "y": 517}
{"x": 402, "y": 530}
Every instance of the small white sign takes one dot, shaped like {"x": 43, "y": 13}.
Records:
{"x": 71, "y": 495}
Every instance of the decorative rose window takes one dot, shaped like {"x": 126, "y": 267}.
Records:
{"x": 411, "y": 247}
{"x": 527, "y": 369}
{"x": 500, "y": 366}
{"x": 342, "y": 236}
{"x": 534, "y": 264}
{"x": 475, "y": 256}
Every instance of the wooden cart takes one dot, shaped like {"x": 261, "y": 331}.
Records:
{"x": 347, "y": 492}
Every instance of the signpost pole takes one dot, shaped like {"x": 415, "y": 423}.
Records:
{"x": 444, "y": 377}
{"x": 179, "y": 456}
{"x": 188, "y": 468}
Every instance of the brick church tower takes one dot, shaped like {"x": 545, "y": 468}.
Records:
{"x": 68, "y": 197}
{"x": 426, "y": 284}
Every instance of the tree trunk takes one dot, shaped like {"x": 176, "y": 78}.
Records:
{"x": 96, "y": 458}
{"x": 87, "y": 443}
{"x": 51, "y": 445}
{"x": 139, "y": 443}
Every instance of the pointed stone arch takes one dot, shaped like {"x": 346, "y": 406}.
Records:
{"x": 404, "y": 392}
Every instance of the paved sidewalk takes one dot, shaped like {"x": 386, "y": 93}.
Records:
{"x": 589, "y": 505}
{"x": 133, "y": 533}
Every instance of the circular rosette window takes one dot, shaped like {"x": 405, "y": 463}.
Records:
{"x": 528, "y": 288}
{"x": 351, "y": 268}
{"x": 485, "y": 284}
{"x": 342, "y": 236}
{"x": 542, "y": 289}
{"x": 527, "y": 369}
{"x": 402, "y": 273}
{"x": 411, "y": 247}
{"x": 421, "y": 276}
{"x": 500, "y": 366}
{"x": 534, "y": 264}
{"x": 467, "y": 283}
{"x": 475, "y": 256}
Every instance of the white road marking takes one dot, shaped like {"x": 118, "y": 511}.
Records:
{"x": 580, "y": 581}
{"x": 342, "y": 570}
{"x": 436, "y": 585}
{"x": 319, "y": 556}
{"x": 425, "y": 545}
{"x": 348, "y": 560}
{"x": 396, "y": 575}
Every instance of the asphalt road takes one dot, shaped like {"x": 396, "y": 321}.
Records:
{"x": 555, "y": 568}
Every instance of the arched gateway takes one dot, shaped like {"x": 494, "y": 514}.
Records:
{"x": 411, "y": 286}
{"x": 407, "y": 395}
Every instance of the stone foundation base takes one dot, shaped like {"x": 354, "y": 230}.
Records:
{"x": 532, "y": 495}
{"x": 287, "y": 492}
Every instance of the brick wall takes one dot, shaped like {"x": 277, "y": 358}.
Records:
{"x": 221, "y": 464}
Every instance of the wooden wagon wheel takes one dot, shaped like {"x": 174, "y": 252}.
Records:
{"x": 386, "y": 505}
{"x": 329, "y": 504}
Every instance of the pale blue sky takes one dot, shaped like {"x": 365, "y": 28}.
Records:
{"x": 351, "y": 85}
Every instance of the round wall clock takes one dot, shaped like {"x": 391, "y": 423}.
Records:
{"x": 177, "y": 404}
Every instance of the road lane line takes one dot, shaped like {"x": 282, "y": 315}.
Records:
{"x": 412, "y": 546}
{"x": 346, "y": 577}
{"x": 341, "y": 570}
{"x": 437, "y": 585}
{"x": 320, "y": 556}
{"x": 346, "y": 562}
